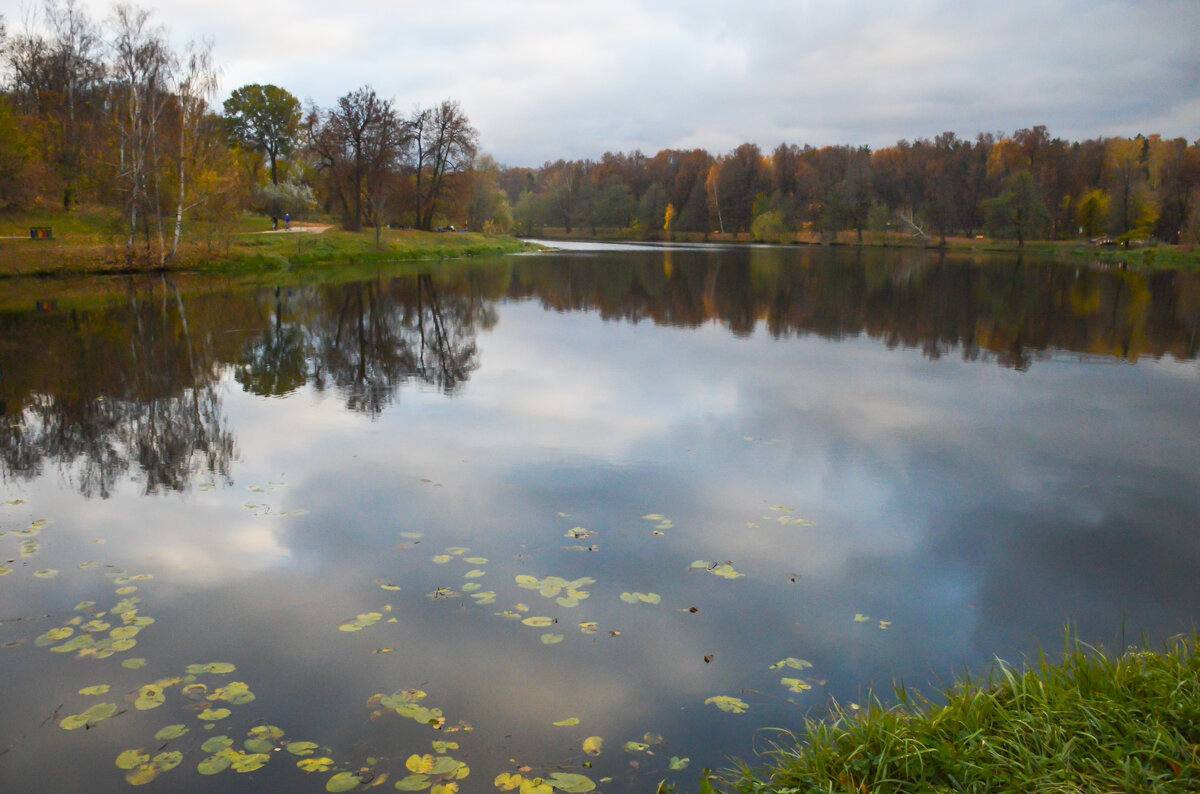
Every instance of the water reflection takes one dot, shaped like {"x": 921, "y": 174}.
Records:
{"x": 966, "y": 500}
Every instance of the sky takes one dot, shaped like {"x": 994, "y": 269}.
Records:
{"x": 547, "y": 79}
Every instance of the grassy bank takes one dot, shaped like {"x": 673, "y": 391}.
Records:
{"x": 1065, "y": 251}
{"x": 1090, "y": 723}
{"x": 92, "y": 242}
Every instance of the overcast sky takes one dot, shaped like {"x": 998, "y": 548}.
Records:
{"x": 544, "y": 79}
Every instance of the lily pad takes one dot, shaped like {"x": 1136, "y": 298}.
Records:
{"x": 571, "y": 783}
{"x": 677, "y": 764}
{"x": 99, "y": 689}
{"x": 214, "y": 764}
{"x": 567, "y": 723}
{"x": 149, "y": 697}
{"x": 235, "y": 692}
{"x": 645, "y": 598}
{"x": 796, "y": 684}
{"x": 343, "y": 781}
{"x": 551, "y": 639}
{"x": 593, "y": 745}
{"x": 792, "y": 662}
{"x": 727, "y": 703}
{"x": 170, "y": 732}
{"x": 132, "y": 758}
{"x": 413, "y": 783}
{"x": 636, "y": 747}
{"x": 215, "y": 744}
{"x": 302, "y": 748}
{"x": 247, "y": 762}
{"x": 217, "y": 668}
{"x": 361, "y": 622}
{"x": 46, "y": 573}
{"x": 211, "y": 714}
{"x": 538, "y": 622}
{"x": 861, "y": 618}
{"x": 133, "y": 664}
{"x": 315, "y": 764}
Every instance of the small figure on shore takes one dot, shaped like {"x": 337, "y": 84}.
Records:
{"x": 274, "y": 223}
{"x": 287, "y": 221}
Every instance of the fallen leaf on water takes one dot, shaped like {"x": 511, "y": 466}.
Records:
{"x": 861, "y": 618}
{"x": 551, "y": 639}
{"x": 678, "y": 764}
{"x": 708, "y": 657}
{"x": 593, "y": 745}
{"x": 567, "y": 723}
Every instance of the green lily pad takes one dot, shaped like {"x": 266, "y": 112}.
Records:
{"x": 677, "y": 764}
{"x": 645, "y": 598}
{"x": 149, "y": 697}
{"x": 485, "y": 597}
{"x": 96, "y": 713}
{"x": 214, "y": 764}
{"x": 235, "y": 692}
{"x": 133, "y": 664}
{"x": 217, "y": 668}
{"x": 593, "y": 745}
{"x": 211, "y": 714}
{"x": 476, "y": 560}
{"x": 538, "y": 622}
{"x": 215, "y": 744}
{"x": 442, "y": 559}
{"x": 636, "y": 747}
{"x": 727, "y": 703}
{"x": 99, "y": 689}
{"x": 132, "y": 758}
{"x": 302, "y": 748}
{"x": 315, "y": 764}
{"x": 551, "y": 639}
{"x": 567, "y": 723}
{"x": 474, "y": 574}
{"x": 443, "y": 747}
{"x": 342, "y": 781}
{"x": 570, "y": 783}
{"x": 861, "y": 618}
{"x": 361, "y": 622}
{"x": 413, "y": 783}
{"x": 170, "y": 732}
{"x": 247, "y": 762}
{"x": 46, "y": 573}
{"x": 792, "y": 662}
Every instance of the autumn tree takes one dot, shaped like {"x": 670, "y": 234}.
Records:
{"x": 358, "y": 145}
{"x": 266, "y": 119}
{"x": 444, "y": 143}
{"x": 1018, "y": 211}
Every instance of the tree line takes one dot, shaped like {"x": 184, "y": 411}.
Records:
{"x": 1020, "y": 186}
{"x": 109, "y": 113}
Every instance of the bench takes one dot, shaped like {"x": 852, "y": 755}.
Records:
{"x": 41, "y": 233}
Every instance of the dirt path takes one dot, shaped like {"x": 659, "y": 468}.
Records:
{"x": 313, "y": 228}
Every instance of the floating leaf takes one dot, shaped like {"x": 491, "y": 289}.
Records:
{"x": 302, "y": 748}
{"x": 726, "y": 703}
{"x": 507, "y": 781}
{"x": 592, "y": 745}
{"x": 795, "y": 684}
{"x": 99, "y": 689}
{"x": 211, "y": 714}
{"x": 538, "y": 622}
{"x": 654, "y": 517}
{"x": 589, "y": 627}
{"x": 486, "y": 597}
{"x": 646, "y": 598}
{"x": 392, "y": 587}
{"x": 792, "y": 662}
{"x": 216, "y": 744}
{"x": 133, "y": 664}
{"x": 412, "y": 535}
{"x": 567, "y": 723}
{"x": 474, "y": 574}
{"x": 361, "y": 622}
{"x": 678, "y": 764}
{"x": 97, "y": 713}
{"x": 315, "y": 764}
{"x": 442, "y": 559}
{"x": 127, "y": 590}
{"x": 636, "y": 747}
{"x": 235, "y": 692}
{"x": 218, "y": 668}
{"x": 471, "y": 587}
{"x": 861, "y": 618}
{"x": 442, "y": 747}
{"x": 46, "y": 573}
{"x": 52, "y": 636}
{"x": 413, "y": 783}
{"x": 132, "y": 758}
{"x": 476, "y": 560}
{"x": 149, "y": 697}
{"x": 884, "y": 624}
{"x": 214, "y": 764}
{"x": 170, "y": 732}
{"x": 551, "y": 639}
{"x": 571, "y": 783}
{"x": 247, "y": 762}
{"x": 163, "y": 762}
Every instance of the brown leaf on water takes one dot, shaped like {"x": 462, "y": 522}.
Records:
{"x": 708, "y": 657}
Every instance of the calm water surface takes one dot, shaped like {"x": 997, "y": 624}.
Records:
{"x": 602, "y": 487}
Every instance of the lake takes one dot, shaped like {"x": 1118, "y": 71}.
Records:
{"x": 619, "y": 513}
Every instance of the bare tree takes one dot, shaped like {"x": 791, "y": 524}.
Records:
{"x": 444, "y": 143}
{"x": 358, "y": 144}
{"x": 78, "y": 72}
{"x": 142, "y": 66}
{"x": 197, "y": 83}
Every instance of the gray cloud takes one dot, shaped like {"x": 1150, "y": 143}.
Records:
{"x": 543, "y": 80}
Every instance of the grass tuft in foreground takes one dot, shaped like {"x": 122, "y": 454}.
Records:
{"x": 1090, "y": 723}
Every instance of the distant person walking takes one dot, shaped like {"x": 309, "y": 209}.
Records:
{"x": 287, "y": 220}
{"x": 274, "y": 223}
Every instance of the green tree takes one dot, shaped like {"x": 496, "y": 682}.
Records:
{"x": 1093, "y": 213}
{"x": 264, "y": 118}
{"x": 1018, "y": 211}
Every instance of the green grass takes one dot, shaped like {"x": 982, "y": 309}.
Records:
{"x": 93, "y": 241}
{"x": 1087, "y": 723}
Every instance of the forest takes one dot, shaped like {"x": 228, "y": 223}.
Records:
{"x": 108, "y": 115}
